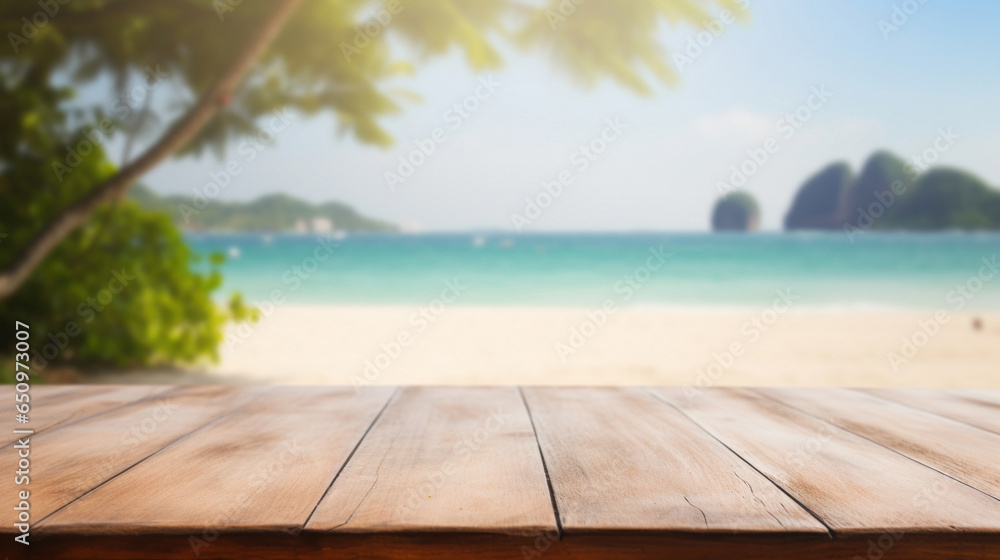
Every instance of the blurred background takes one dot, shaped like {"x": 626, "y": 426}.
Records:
{"x": 657, "y": 192}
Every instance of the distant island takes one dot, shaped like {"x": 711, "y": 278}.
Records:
{"x": 890, "y": 194}
{"x": 276, "y": 212}
{"x": 736, "y": 211}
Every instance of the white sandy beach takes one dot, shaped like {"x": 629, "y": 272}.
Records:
{"x": 521, "y": 345}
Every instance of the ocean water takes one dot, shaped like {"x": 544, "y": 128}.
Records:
{"x": 820, "y": 270}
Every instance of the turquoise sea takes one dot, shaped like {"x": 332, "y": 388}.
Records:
{"x": 824, "y": 270}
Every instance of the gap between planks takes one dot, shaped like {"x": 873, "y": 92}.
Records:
{"x": 946, "y": 409}
{"x": 830, "y": 532}
{"x": 545, "y": 467}
{"x": 350, "y": 456}
{"x": 154, "y": 453}
{"x": 877, "y": 442}
{"x": 69, "y": 421}
{"x": 853, "y": 483}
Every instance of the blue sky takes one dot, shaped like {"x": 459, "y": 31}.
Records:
{"x": 940, "y": 70}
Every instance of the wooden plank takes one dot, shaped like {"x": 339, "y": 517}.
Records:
{"x": 444, "y": 459}
{"x": 69, "y": 461}
{"x": 660, "y": 431}
{"x": 441, "y": 546}
{"x": 262, "y": 467}
{"x": 618, "y": 458}
{"x": 36, "y": 392}
{"x": 988, "y": 395}
{"x": 952, "y": 447}
{"x": 978, "y": 408}
{"x": 854, "y": 485}
{"x": 58, "y": 408}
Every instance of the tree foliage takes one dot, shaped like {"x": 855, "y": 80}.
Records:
{"x": 332, "y": 56}
{"x": 121, "y": 291}
{"x": 339, "y": 56}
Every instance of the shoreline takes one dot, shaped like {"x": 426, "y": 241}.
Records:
{"x": 646, "y": 307}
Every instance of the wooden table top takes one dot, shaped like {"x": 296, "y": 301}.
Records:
{"x": 507, "y": 472}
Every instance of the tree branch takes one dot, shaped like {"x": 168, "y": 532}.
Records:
{"x": 186, "y": 128}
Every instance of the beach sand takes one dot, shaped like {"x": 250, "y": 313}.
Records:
{"x": 469, "y": 345}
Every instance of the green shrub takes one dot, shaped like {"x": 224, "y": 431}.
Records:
{"x": 123, "y": 291}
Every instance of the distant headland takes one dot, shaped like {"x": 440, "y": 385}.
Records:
{"x": 888, "y": 194}
{"x": 737, "y": 211}
{"x": 891, "y": 194}
{"x": 272, "y": 213}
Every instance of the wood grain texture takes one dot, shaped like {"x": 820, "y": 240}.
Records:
{"x": 854, "y": 485}
{"x": 439, "y": 459}
{"x": 71, "y": 460}
{"x": 618, "y": 458}
{"x": 36, "y": 393}
{"x": 976, "y": 407}
{"x": 987, "y": 395}
{"x": 455, "y": 473}
{"x": 262, "y": 467}
{"x": 7, "y": 402}
{"x": 54, "y": 407}
{"x": 955, "y": 448}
